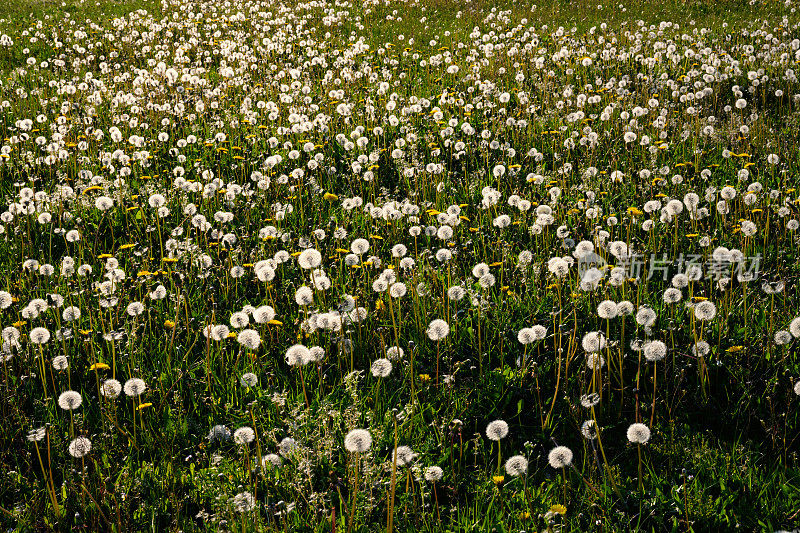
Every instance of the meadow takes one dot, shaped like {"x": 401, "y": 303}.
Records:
{"x": 399, "y": 265}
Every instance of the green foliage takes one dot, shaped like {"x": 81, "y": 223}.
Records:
{"x": 723, "y": 451}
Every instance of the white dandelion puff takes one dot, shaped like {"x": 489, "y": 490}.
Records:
{"x": 404, "y": 456}
{"x": 638, "y": 433}
{"x": 516, "y": 466}
{"x": 497, "y": 430}
{"x": 358, "y": 441}
{"x": 655, "y": 351}
{"x": 438, "y": 329}
{"x": 244, "y": 435}
{"x": 80, "y": 447}
{"x": 560, "y": 457}
{"x": 249, "y": 338}
{"x": 381, "y": 368}
{"x": 433, "y": 474}
{"x": 134, "y": 387}
{"x": 70, "y": 400}
{"x": 111, "y": 388}
{"x": 39, "y": 336}
{"x": 249, "y": 380}
{"x": 705, "y": 310}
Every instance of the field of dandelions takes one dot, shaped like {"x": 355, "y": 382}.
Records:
{"x": 399, "y": 265}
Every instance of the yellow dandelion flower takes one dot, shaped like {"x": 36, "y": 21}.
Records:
{"x": 558, "y": 509}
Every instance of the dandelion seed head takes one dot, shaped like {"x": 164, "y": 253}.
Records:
{"x": 244, "y": 435}
{"x": 304, "y": 296}
{"x": 438, "y": 329}
{"x": 595, "y": 361}
{"x": 560, "y": 457}
{"x": 593, "y": 342}
{"x": 607, "y": 309}
{"x": 381, "y": 368}
{"x": 249, "y": 338}
{"x": 70, "y": 314}
{"x": 39, "y": 336}
{"x": 309, "y": 258}
{"x": 645, "y": 316}
{"x": 263, "y": 314}
{"x": 80, "y": 447}
{"x": 624, "y": 308}
{"x": 701, "y": 349}
{"x": 244, "y": 502}
{"x": 111, "y": 388}
{"x": 134, "y": 309}
{"x": 525, "y": 336}
{"x": 134, "y": 387}
{"x": 394, "y": 353}
{"x": 638, "y": 433}
{"x": 298, "y": 355}
{"x": 672, "y": 295}
{"x": 480, "y": 270}
{"x": 36, "y": 434}
{"x": 590, "y": 400}
{"x": 782, "y": 337}
{"x": 359, "y": 246}
{"x": 397, "y": 290}
{"x": 219, "y": 433}
{"x": 794, "y": 327}
{"x": 70, "y": 400}
{"x": 497, "y": 430}
{"x": 287, "y": 446}
{"x": 239, "y": 320}
{"x": 404, "y": 455}
{"x": 705, "y": 310}
{"x": 433, "y": 474}
{"x": 456, "y": 293}
{"x": 589, "y": 429}
{"x": 655, "y": 351}
{"x": 358, "y": 441}
{"x": 271, "y": 460}
{"x": 249, "y": 380}
{"x": 5, "y": 299}
{"x": 516, "y": 466}
{"x": 680, "y": 281}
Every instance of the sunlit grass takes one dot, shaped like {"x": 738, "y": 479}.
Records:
{"x": 249, "y": 249}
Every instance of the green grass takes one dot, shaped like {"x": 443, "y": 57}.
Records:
{"x": 723, "y": 452}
